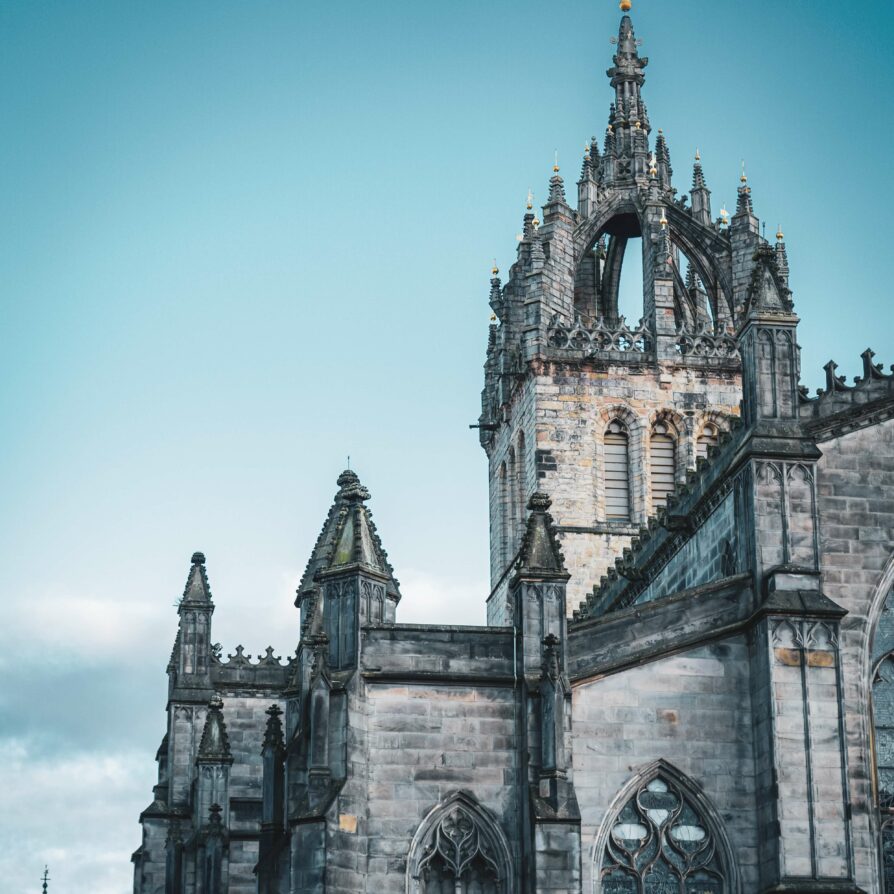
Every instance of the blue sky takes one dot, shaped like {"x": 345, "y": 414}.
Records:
{"x": 239, "y": 242}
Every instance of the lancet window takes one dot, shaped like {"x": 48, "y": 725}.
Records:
{"x": 617, "y": 472}
{"x": 664, "y": 463}
{"x": 660, "y": 844}
{"x": 883, "y": 738}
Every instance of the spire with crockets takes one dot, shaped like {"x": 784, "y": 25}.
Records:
{"x": 629, "y": 126}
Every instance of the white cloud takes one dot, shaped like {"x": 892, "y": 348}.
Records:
{"x": 61, "y": 627}
{"x": 76, "y": 813}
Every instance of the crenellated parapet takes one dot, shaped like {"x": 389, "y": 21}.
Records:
{"x": 840, "y": 408}
{"x": 238, "y": 669}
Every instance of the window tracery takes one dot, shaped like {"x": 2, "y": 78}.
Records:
{"x": 660, "y": 844}
{"x": 459, "y": 849}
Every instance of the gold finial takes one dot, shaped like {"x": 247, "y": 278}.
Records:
{"x": 779, "y": 234}
{"x": 530, "y": 203}
{"x": 637, "y": 124}
{"x": 556, "y": 163}
{"x": 625, "y": 5}
{"x": 743, "y": 178}
{"x": 698, "y": 155}
{"x": 663, "y": 220}
{"x": 495, "y": 270}
{"x": 653, "y": 165}
{"x": 724, "y": 215}
{"x": 493, "y": 318}
{"x": 586, "y": 150}
{"x": 610, "y": 129}
{"x": 535, "y": 222}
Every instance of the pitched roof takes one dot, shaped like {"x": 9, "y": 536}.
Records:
{"x": 197, "y": 589}
{"x": 540, "y": 552}
{"x": 348, "y": 537}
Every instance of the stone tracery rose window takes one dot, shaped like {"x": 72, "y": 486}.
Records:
{"x": 660, "y": 845}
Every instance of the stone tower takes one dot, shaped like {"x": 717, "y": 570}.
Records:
{"x": 605, "y": 414}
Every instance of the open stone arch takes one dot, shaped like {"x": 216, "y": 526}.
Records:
{"x": 459, "y": 848}
{"x": 662, "y": 827}
{"x": 596, "y": 295}
{"x": 711, "y": 256}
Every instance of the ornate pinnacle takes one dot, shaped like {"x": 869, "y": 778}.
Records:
{"x": 350, "y": 487}
{"x": 273, "y": 737}
{"x": 698, "y": 175}
{"x": 556, "y": 187}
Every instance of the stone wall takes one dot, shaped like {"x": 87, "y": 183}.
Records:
{"x": 690, "y": 710}
{"x": 563, "y": 409}
{"x": 856, "y": 509}
{"x": 426, "y": 742}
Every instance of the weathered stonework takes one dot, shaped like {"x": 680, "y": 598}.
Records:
{"x": 686, "y": 683}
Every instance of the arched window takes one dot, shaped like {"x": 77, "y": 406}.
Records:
{"x": 664, "y": 463}
{"x": 520, "y": 488}
{"x": 459, "y": 849}
{"x": 883, "y": 736}
{"x": 710, "y": 437}
{"x": 503, "y": 514}
{"x": 617, "y": 473}
{"x": 512, "y": 502}
{"x": 661, "y": 843}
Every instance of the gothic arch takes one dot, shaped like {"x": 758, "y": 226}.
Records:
{"x": 597, "y": 225}
{"x": 637, "y": 433}
{"x": 710, "y": 855}
{"x": 878, "y": 648}
{"x": 463, "y": 836}
{"x": 702, "y": 247}
{"x": 710, "y": 425}
{"x": 711, "y": 417}
{"x": 679, "y": 430}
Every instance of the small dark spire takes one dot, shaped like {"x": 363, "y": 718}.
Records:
{"x": 540, "y": 552}
{"x": 556, "y": 187}
{"x": 45, "y": 878}
{"x": 698, "y": 175}
{"x": 743, "y": 203}
{"x": 273, "y": 736}
{"x": 197, "y": 589}
{"x": 215, "y": 744}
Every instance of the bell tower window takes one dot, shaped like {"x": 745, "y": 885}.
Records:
{"x": 664, "y": 463}
{"x": 617, "y": 473}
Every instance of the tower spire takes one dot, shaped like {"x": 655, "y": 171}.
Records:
{"x": 45, "y": 878}
{"x": 628, "y": 116}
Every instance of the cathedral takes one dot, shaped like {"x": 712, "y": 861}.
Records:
{"x": 686, "y": 681}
